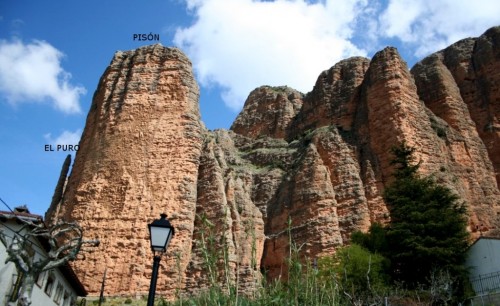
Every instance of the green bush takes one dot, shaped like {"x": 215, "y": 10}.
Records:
{"x": 356, "y": 270}
{"x": 375, "y": 240}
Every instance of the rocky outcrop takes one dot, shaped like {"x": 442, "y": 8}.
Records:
{"x": 268, "y": 111}
{"x": 335, "y": 97}
{"x": 467, "y": 164}
{"x": 229, "y": 235}
{"x": 472, "y": 68}
{"x": 304, "y": 168}
{"x": 139, "y": 156}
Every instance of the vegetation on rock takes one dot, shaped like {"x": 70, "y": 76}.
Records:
{"x": 427, "y": 235}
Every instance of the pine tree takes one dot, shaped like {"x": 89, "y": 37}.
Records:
{"x": 427, "y": 232}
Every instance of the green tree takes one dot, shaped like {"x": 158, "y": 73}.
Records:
{"x": 428, "y": 224}
{"x": 375, "y": 240}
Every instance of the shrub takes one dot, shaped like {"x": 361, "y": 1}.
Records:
{"x": 360, "y": 273}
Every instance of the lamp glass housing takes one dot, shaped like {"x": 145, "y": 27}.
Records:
{"x": 160, "y": 232}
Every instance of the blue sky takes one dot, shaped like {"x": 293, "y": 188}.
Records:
{"x": 52, "y": 54}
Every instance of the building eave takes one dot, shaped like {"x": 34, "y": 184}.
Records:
{"x": 483, "y": 238}
{"x": 66, "y": 269}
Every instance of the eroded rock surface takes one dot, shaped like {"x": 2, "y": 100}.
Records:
{"x": 139, "y": 156}
{"x": 307, "y": 167}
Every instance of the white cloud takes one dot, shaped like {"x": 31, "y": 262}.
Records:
{"x": 65, "y": 138}
{"x": 428, "y": 26}
{"x": 242, "y": 44}
{"x": 33, "y": 72}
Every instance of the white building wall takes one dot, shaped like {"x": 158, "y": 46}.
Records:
{"x": 483, "y": 257}
{"x": 40, "y": 297}
{"x": 8, "y": 275}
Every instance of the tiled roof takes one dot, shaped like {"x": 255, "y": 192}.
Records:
{"x": 21, "y": 215}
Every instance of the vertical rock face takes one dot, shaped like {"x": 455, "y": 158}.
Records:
{"x": 394, "y": 113}
{"x": 486, "y": 103}
{"x": 229, "y": 226}
{"x": 334, "y": 99}
{"x": 467, "y": 164}
{"x": 139, "y": 156}
{"x": 475, "y": 68}
{"x": 308, "y": 168}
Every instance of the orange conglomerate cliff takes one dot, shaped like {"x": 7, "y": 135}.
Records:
{"x": 319, "y": 159}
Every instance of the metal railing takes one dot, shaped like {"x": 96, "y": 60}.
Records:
{"x": 485, "y": 300}
{"x": 486, "y": 283}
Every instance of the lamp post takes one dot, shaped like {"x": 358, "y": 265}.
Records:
{"x": 160, "y": 234}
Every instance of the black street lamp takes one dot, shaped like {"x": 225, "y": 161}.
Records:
{"x": 160, "y": 234}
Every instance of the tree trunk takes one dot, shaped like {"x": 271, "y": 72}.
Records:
{"x": 27, "y": 290}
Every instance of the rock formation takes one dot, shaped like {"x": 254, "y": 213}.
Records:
{"x": 311, "y": 168}
{"x": 139, "y": 156}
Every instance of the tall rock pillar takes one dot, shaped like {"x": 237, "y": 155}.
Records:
{"x": 138, "y": 157}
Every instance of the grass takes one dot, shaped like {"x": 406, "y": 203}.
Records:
{"x": 303, "y": 286}
{"x": 306, "y": 283}
{"x": 117, "y": 301}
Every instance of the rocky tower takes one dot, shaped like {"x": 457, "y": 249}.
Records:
{"x": 139, "y": 156}
{"x": 319, "y": 160}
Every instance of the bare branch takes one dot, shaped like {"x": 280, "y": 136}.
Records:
{"x": 65, "y": 241}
